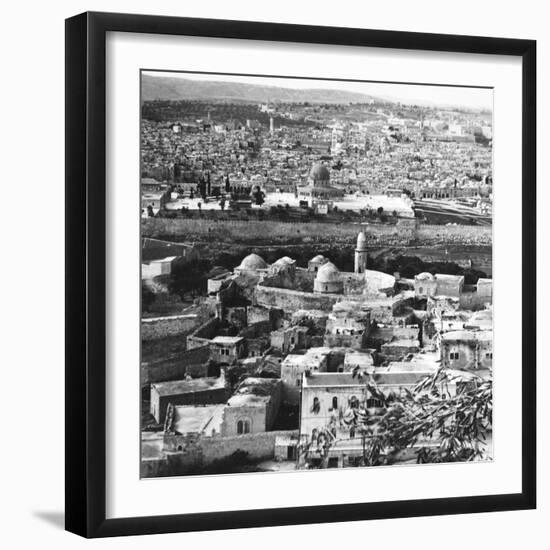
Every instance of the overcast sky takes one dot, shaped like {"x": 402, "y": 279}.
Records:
{"x": 406, "y": 93}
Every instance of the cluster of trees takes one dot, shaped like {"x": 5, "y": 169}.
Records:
{"x": 189, "y": 278}
{"x": 220, "y": 111}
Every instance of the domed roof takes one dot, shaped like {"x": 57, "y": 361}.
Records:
{"x": 361, "y": 241}
{"x": 253, "y": 262}
{"x": 425, "y": 276}
{"x": 319, "y": 172}
{"x": 328, "y": 273}
{"x": 318, "y": 259}
{"x": 285, "y": 260}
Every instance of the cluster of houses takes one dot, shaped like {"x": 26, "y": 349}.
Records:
{"x": 290, "y": 353}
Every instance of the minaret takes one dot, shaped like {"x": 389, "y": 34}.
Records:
{"x": 271, "y": 125}
{"x": 361, "y": 253}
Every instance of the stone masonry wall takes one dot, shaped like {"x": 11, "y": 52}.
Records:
{"x": 186, "y": 455}
{"x": 161, "y": 327}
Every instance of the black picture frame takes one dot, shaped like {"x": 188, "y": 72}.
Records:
{"x": 85, "y": 274}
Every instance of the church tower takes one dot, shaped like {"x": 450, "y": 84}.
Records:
{"x": 361, "y": 253}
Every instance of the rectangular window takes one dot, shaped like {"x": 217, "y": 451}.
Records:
{"x": 453, "y": 356}
{"x": 488, "y": 355}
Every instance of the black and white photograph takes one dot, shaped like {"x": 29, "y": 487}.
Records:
{"x": 316, "y": 274}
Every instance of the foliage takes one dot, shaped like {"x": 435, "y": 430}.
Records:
{"x": 437, "y": 425}
{"x": 189, "y": 277}
{"x": 147, "y": 297}
{"x": 459, "y": 424}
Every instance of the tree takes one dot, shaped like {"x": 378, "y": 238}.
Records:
{"x": 458, "y": 424}
{"x": 147, "y": 296}
{"x": 189, "y": 277}
{"x": 150, "y": 211}
{"x": 259, "y": 196}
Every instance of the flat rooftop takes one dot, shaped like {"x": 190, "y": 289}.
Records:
{"x": 449, "y": 278}
{"x": 177, "y": 387}
{"x": 380, "y": 377}
{"x": 227, "y": 340}
{"x": 189, "y": 419}
{"x": 467, "y": 335}
{"x": 254, "y": 392}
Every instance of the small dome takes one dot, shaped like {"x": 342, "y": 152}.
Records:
{"x": 361, "y": 241}
{"x": 319, "y": 172}
{"x": 318, "y": 259}
{"x": 253, "y": 262}
{"x": 285, "y": 260}
{"x": 328, "y": 273}
{"x": 425, "y": 277}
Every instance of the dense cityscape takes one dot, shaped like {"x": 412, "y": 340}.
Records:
{"x": 316, "y": 278}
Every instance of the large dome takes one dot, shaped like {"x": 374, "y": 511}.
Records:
{"x": 253, "y": 262}
{"x": 319, "y": 172}
{"x": 328, "y": 273}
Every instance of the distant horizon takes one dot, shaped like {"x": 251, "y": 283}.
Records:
{"x": 429, "y": 95}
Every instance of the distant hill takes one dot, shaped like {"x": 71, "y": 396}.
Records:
{"x": 173, "y": 88}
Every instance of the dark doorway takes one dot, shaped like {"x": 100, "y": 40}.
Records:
{"x": 291, "y": 452}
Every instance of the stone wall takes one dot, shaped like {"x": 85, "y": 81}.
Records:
{"x": 161, "y": 327}
{"x": 292, "y": 300}
{"x": 203, "y": 334}
{"x": 188, "y": 454}
{"x": 259, "y": 446}
{"x": 474, "y": 300}
{"x": 174, "y": 367}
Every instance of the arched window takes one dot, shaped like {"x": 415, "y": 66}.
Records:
{"x": 243, "y": 427}
{"x": 354, "y": 402}
{"x": 335, "y": 402}
{"x": 316, "y": 407}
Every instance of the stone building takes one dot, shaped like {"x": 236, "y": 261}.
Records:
{"x": 227, "y": 349}
{"x": 290, "y": 338}
{"x": 294, "y": 365}
{"x": 253, "y": 407}
{"x": 319, "y": 192}
{"x": 467, "y": 349}
{"x": 198, "y": 391}
{"x": 328, "y": 280}
{"x": 251, "y": 264}
{"x": 428, "y": 285}
{"x": 347, "y": 326}
{"x": 316, "y": 262}
{"x": 335, "y": 405}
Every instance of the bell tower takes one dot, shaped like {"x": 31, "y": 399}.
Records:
{"x": 361, "y": 253}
